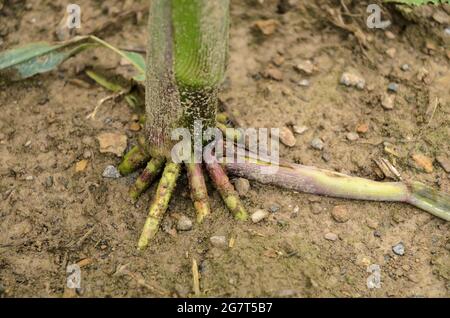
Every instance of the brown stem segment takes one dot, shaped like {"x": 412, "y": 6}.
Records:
{"x": 133, "y": 160}
{"x": 199, "y": 193}
{"x": 153, "y": 168}
{"x": 160, "y": 203}
{"x": 226, "y": 190}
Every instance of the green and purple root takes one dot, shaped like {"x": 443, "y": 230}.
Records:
{"x": 199, "y": 193}
{"x": 145, "y": 179}
{"x": 226, "y": 190}
{"x": 323, "y": 182}
{"x": 160, "y": 203}
{"x": 133, "y": 160}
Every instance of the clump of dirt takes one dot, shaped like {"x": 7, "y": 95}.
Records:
{"x": 56, "y": 212}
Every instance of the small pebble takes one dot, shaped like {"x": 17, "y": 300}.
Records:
{"x": 362, "y": 128}
{"x": 305, "y": 66}
{"x": 423, "y": 162}
{"x": 49, "y": 181}
{"x": 184, "y": 224}
{"x": 304, "y": 83}
{"x": 389, "y": 35}
{"x": 266, "y": 27}
{"x": 259, "y": 215}
{"x": 391, "y": 52}
{"x": 242, "y": 186}
{"x": 273, "y": 73}
{"x": 134, "y": 126}
{"x": 405, "y": 67}
{"x": 287, "y": 137}
{"x": 29, "y": 178}
{"x": 350, "y": 79}
{"x": 87, "y": 154}
{"x": 340, "y": 214}
{"x": 299, "y": 129}
{"x": 399, "y": 249}
{"x": 81, "y": 165}
{"x": 331, "y": 237}
{"x": 111, "y": 172}
{"x": 274, "y": 208}
{"x": 393, "y": 87}
{"x": 317, "y": 143}
{"x": 444, "y": 162}
{"x": 387, "y": 101}
{"x": 218, "y": 241}
{"x": 326, "y": 156}
{"x": 352, "y": 136}
{"x": 28, "y": 143}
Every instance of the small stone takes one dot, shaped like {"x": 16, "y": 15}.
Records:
{"x": 351, "y": 136}
{"x": 441, "y": 17}
{"x": 184, "y": 224}
{"x": 112, "y": 142}
{"x": 28, "y": 144}
{"x": 304, "y": 83}
{"x": 351, "y": 79}
{"x": 259, "y": 215}
{"x": 393, "y": 87}
{"x": 81, "y": 165}
{"x": 372, "y": 224}
{"x": 218, "y": 241}
{"x": 444, "y": 162}
{"x": 299, "y": 129}
{"x": 135, "y": 126}
{"x": 48, "y": 182}
{"x": 331, "y": 237}
{"x": 29, "y": 178}
{"x": 340, "y": 214}
{"x": 399, "y": 249}
{"x": 306, "y": 67}
{"x": 405, "y": 67}
{"x": 391, "y": 52}
{"x": 317, "y": 144}
{"x": 273, "y": 73}
{"x": 389, "y": 35}
{"x": 242, "y": 186}
{"x": 387, "y": 101}
{"x": 423, "y": 162}
{"x": 266, "y": 27}
{"x": 87, "y": 154}
{"x": 287, "y": 137}
{"x": 362, "y": 128}
{"x": 111, "y": 172}
{"x": 326, "y": 156}
{"x": 274, "y": 208}
{"x": 278, "y": 60}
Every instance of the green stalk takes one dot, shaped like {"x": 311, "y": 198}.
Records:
{"x": 186, "y": 55}
{"x": 160, "y": 203}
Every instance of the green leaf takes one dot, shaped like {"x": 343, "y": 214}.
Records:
{"x": 419, "y": 2}
{"x": 35, "y": 58}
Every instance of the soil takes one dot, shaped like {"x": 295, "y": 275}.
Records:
{"x": 52, "y": 216}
